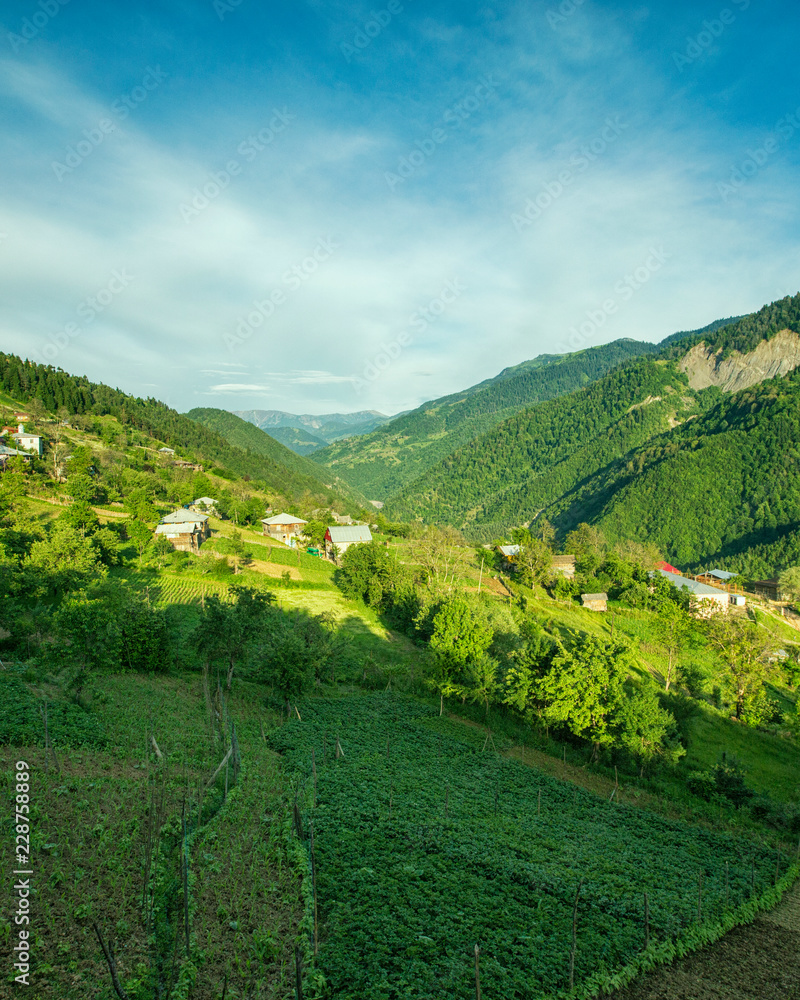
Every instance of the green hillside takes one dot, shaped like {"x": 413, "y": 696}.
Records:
{"x": 380, "y": 464}
{"x": 526, "y": 463}
{"x": 253, "y": 441}
{"x": 282, "y": 474}
{"x": 300, "y": 441}
{"x": 721, "y": 489}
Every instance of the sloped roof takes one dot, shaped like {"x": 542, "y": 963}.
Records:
{"x": 206, "y": 500}
{"x": 508, "y": 550}
{"x": 565, "y": 560}
{"x": 721, "y": 574}
{"x": 184, "y": 517}
{"x": 700, "y": 589}
{"x": 594, "y": 597}
{"x": 283, "y": 519}
{"x": 667, "y": 567}
{"x": 351, "y": 533}
{"x": 175, "y": 530}
{"x": 5, "y": 450}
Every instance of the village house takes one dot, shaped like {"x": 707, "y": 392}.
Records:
{"x": 508, "y": 556}
{"x": 166, "y": 451}
{"x": 770, "y": 590}
{"x": 340, "y": 538}
{"x": 341, "y": 519}
{"x": 704, "y": 599}
{"x": 7, "y": 453}
{"x": 284, "y": 527}
{"x": 564, "y": 566}
{"x": 28, "y": 442}
{"x": 205, "y": 505}
{"x": 185, "y": 529}
{"x": 595, "y": 602}
{"x": 717, "y": 578}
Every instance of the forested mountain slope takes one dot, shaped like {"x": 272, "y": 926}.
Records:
{"x": 58, "y": 391}
{"x": 530, "y": 460}
{"x": 721, "y": 489}
{"x": 383, "y": 462}
{"x": 565, "y": 456}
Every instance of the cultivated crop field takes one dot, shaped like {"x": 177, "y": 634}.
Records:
{"x": 426, "y": 844}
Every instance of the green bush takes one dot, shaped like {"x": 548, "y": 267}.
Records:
{"x": 21, "y": 721}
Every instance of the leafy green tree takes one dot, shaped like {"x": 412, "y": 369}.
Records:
{"x": 583, "y": 690}
{"x": 314, "y": 531}
{"x": 81, "y": 516}
{"x": 368, "y": 573}
{"x": 744, "y": 649}
{"x": 139, "y": 534}
{"x": 673, "y": 627}
{"x": 66, "y": 559}
{"x": 227, "y": 630}
{"x": 461, "y": 635}
{"x": 789, "y": 581}
{"x": 85, "y": 639}
{"x": 646, "y": 730}
{"x": 585, "y": 540}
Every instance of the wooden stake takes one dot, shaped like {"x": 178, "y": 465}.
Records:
{"x": 298, "y": 968}
{"x": 477, "y": 973}
{"x": 314, "y": 888}
{"x": 574, "y": 936}
{"x": 223, "y": 764}
{"x": 314, "y": 773}
{"x": 112, "y": 965}
{"x": 154, "y": 745}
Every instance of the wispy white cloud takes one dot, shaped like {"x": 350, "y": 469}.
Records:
{"x": 323, "y": 177}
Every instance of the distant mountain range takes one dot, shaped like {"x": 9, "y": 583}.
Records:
{"x": 305, "y": 433}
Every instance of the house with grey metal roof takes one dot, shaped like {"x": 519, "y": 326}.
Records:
{"x": 339, "y": 538}
{"x": 701, "y": 593}
{"x": 186, "y": 529}
{"x": 284, "y": 527}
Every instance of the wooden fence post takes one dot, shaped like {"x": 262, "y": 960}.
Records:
{"x": 574, "y": 936}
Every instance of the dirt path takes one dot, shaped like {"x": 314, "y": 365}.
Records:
{"x": 760, "y": 961}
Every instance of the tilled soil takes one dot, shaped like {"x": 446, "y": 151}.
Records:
{"x": 760, "y": 961}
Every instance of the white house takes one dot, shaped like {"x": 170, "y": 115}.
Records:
{"x": 284, "y": 527}
{"x": 703, "y": 597}
{"x": 28, "y": 442}
{"x": 342, "y": 537}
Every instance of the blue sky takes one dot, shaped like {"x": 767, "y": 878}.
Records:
{"x": 335, "y": 205}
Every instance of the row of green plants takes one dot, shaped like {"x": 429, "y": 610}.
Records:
{"x": 424, "y": 845}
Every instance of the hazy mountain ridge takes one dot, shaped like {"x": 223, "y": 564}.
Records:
{"x": 312, "y": 428}
{"x": 384, "y": 462}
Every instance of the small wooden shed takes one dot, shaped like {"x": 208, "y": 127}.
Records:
{"x": 595, "y": 602}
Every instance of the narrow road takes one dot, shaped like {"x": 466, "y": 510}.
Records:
{"x": 760, "y": 961}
